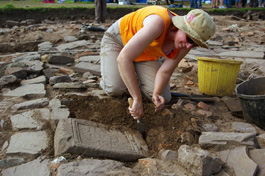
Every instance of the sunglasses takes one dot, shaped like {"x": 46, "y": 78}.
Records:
{"x": 189, "y": 40}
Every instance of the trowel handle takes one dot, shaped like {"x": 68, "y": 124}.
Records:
{"x": 130, "y": 101}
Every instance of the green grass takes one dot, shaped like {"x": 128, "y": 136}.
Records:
{"x": 37, "y": 3}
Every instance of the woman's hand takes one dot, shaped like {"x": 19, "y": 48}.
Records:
{"x": 159, "y": 101}
{"x": 136, "y": 110}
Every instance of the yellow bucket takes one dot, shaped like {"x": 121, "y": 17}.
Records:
{"x": 217, "y": 76}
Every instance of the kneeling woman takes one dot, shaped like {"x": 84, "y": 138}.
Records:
{"x": 132, "y": 46}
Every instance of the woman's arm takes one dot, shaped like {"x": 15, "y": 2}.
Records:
{"x": 163, "y": 76}
{"x": 152, "y": 29}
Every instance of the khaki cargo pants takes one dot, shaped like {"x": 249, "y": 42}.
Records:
{"x": 111, "y": 81}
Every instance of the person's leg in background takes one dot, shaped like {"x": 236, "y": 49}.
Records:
{"x": 103, "y": 10}
{"x": 221, "y": 6}
{"x": 213, "y": 3}
{"x": 200, "y": 3}
{"x": 229, "y": 3}
{"x": 97, "y": 11}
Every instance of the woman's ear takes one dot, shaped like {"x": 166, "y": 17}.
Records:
{"x": 173, "y": 27}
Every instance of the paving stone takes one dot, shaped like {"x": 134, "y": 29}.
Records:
{"x": 3, "y": 65}
{"x": 92, "y": 167}
{"x": 258, "y": 156}
{"x": 10, "y": 162}
{"x": 198, "y": 161}
{"x": 60, "y": 60}
{"x": 243, "y": 54}
{"x": 72, "y": 85}
{"x": 38, "y": 167}
{"x": 73, "y": 45}
{"x": 38, "y": 103}
{"x": 30, "y": 91}
{"x": 60, "y": 113}
{"x": 91, "y": 59}
{"x": 70, "y": 39}
{"x": 59, "y": 79}
{"x": 239, "y": 160}
{"x": 33, "y": 119}
{"x": 98, "y": 140}
{"x": 45, "y": 46}
{"x": 211, "y": 139}
{"x": 210, "y": 127}
{"x": 27, "y": 57}
{"x": 55, "y": 103}
{"x": 243, "y": 127}
{"x": 9, "y": 79}
{"x": 27, "y": 143}
{"x": 40, "y": 79}
{"x": 101, "y": 94}
{"x": 83, "y": 67}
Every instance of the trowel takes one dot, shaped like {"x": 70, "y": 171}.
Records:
{"x": 140, "y": 125}
{"x": 203, "y": 98}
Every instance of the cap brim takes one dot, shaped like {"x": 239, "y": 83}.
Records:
{"x": 178, "y": 21}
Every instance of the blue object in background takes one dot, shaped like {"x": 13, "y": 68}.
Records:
{"x": 140, "y": 1}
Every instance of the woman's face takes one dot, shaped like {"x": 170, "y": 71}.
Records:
{"x": 182, "y": 40}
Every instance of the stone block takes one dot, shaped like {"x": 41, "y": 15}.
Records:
{"x": 198, "y": 161}
{"x": 91, "y": 139}
{"x": 211, "y": 139}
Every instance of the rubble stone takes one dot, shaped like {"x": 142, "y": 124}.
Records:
{"x": 199, "y": 161}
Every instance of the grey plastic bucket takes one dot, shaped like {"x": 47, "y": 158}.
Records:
{"x": 252, "y": 99}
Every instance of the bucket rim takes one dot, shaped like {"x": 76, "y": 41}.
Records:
{"x": 228, "y": 61}
{"x": 245, "y": 96}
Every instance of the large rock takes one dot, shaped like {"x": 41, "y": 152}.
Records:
{"x": 211, "y": 139}
{"x": 198, "y": 161}
{"x": 78, "y": 136}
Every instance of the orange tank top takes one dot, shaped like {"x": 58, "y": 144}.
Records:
{"x": 133, "y": 22}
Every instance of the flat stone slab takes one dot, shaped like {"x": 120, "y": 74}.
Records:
{"x": 92, "y": 167}
{"x": 97, "y": 140}
{"x": 31, "y": 90}
{"x": 38, "y": 103}
{"x": 211, "y": 139}
{"x": 243, "y": 54}
{"x": 37, "y": 80}
{"x": 33, "y": 119}
{"x": 258, "y": 156}
{"x": 73, "y": 45}
{"x": 27, "y": 143}
{"x": 38, "y": 167}
{"x": 83, "y": 67}
{"x": 239, "y": 160}
{"x": 91, "y": 59}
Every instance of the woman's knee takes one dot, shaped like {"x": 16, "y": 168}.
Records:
{"x": 112, "y": 90}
